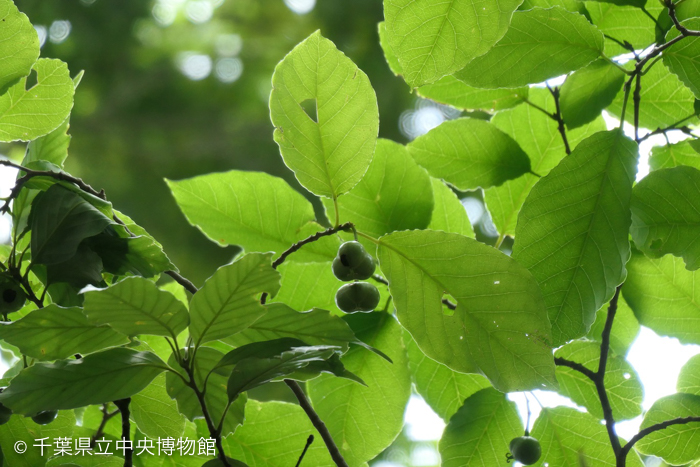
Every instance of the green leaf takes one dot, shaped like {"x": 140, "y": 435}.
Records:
{"x": 228, "y": 302}
{"x": 329, "y": 151}
{"x": 67, "y": 384}
{"x": 625, "y": 23}
{"x": 432, "y": 39}
{"x": 624, "y": 330}
{"x": 572, "y": 438}
{"x": 469, "y": 153}
{"x": 682, "y": 57}
{"x": 60, "y": 220}
{"x": 664, "y": 297}
{"x": 677, "y": 444}
{"x": 449, "y": 215}
{"x": 53, "y": 333}
{"x": 364, "y": 420}
{"x": 19, "y": 44}
{"x": 622, "y": 384}
{"x": 689, "y": 377}
{"x": 220, "y": 205}
{"x": 121, "y": 256}
{"x": 539, "y": 137}
{"x": 264, "y": 349}
{"x": 571, "y": 5}
{"x": 393, "y": 195}
{"x": 389, "y": 54}
{"x": 315, "y": 327}
{"x": 572, "y": 231}
{"x": 666, "y": 214}
{"x": 499, "y": 328}
{"x": 588, "y": 91}
{"x": 673, "y": 155}
{"x": 664, "y": 100}
{"x": 479, "y": 433}
{"x": 155, "y": 413}
{"x": 451, "y": 91}
{"x": 24, "y": 429}
{"x": 26, "y": 114}
{"x": 443, "y": 389}
{"x": 635, "y": 3}
{"x": 274, "y": 434}
{"x": 308, "y": 285}
{"x": 215, "y": 396}
{"x": 137, "y": 306}
{"x": 540, "y": 44}
{"x": 252, "y": 372}
{"x": 52, "y": 147}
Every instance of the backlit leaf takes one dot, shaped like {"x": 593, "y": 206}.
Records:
{"x": 26, "y": 114}
{"x": 19, "y": 44}
{"x": 499, "y": 328}
{"x": 469, "y": 153}
{"x": 432, "y": 38}
{"x": 572, "y": 231}
{"x": 540, "y": 44}
{"x": 53, "y": 333}
{"x": 330, "y": 150}
{"x": 666, "y": 214}
{"x": 366, "y": 419}
{"x": 67, "y": 384}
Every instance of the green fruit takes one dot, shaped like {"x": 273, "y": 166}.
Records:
{"x": 353, "y": 262}
{"x": 358, "y": 296}
{"x": 12, "y": 296}
{"x": 526, "y": 450}
{"x": 5, "y": 414}
{"x": 45, "y": 417}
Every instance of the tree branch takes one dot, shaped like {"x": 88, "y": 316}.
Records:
{"x": 123, "y": 406}
{"x": 651, "y": 429}
{"x": 317, "y": 422}
{"x": 297, "y": 246}
{"x": 309, "y": 440}
{"x": 560, "y": 121}
{"x": 575, "y": 366}
{"x": 672, "y": 13}
{"x": 600, "y": 374}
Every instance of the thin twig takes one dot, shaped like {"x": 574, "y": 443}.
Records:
{"x": 106, "y": 416}
{"x": 637, "y": 99}
{"x": 306, "y": 448}
{"x": 672, "y": 13}
{"x": 653, "y": 428}
{"x": 317, "y": 422}
{"x": 672, "y": 127}
{"x": 575, "y": 366}
{"x": 301, "y": 243}
{"x": 557, "y": 116}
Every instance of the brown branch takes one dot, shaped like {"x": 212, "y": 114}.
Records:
{"x": 575, "y": 366}
{"x": 317, "y": 422}
{"x": 649, "y": 430}
{"x": 297, "y": 246}
{"x": 560, "y": 121}
{"x": 672, "y": 13}
{"x": 106, "y": 416}
{"x": 309, "y": 440}
{"x": 123, "y": 406}
{"x": 600, "y": 374}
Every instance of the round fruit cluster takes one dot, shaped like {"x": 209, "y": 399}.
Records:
{"x": 525, "y": 449}
{"x": 353, "y": 263}
{"x": 12, "y": 296}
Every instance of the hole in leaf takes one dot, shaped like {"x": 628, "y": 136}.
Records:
{"x": 309, "y": 106}
{"x": 656, "y": 244}
{"x": 9, "y": 295}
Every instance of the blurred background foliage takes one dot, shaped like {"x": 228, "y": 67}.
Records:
{"x": 178, "y": 88}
